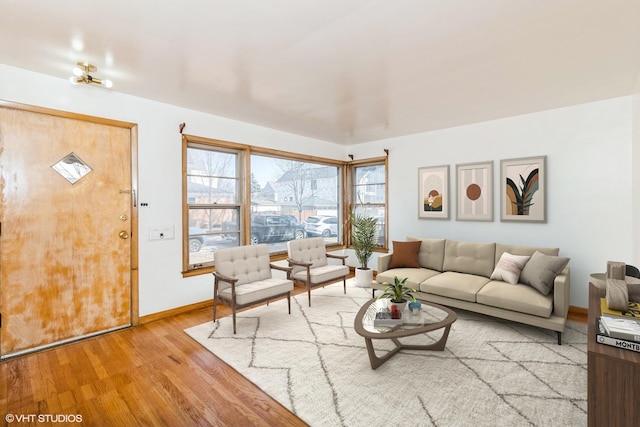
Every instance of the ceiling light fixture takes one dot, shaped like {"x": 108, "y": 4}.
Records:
{"x": 81, "y": 75}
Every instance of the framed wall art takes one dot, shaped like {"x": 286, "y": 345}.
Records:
{"x": 433, "y": 192}
{"x": 523, "y": 190}
{"x": 474, "y": 186}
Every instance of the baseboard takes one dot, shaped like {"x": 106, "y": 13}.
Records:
{"x": 174, "y": 311}
{"x": 578, "y": 314}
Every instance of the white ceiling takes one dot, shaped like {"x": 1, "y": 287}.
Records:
{"x": 345, "y": 71}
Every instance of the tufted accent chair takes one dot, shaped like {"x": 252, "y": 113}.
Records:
{"x": 243, "y": 278}
{"x": 310, "y": 262}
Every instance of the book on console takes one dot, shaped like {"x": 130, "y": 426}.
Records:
{"x": 626, "y": 329}
{"x": 632, "y": 312}
{"x": 603, "y": 338}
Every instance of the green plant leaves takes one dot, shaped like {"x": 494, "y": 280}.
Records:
{"x": 363, "y": 237}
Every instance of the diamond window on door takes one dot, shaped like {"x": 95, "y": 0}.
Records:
{"x": 71, "y": 168}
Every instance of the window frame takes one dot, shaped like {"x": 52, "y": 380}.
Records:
{"x": 190, "y": 141}
{"x": 350, "y": 190}
{"x": 244, "y": 202}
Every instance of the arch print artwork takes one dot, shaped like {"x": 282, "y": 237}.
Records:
{"x": 433, "y": 192}
{"x": 522, "y": 187}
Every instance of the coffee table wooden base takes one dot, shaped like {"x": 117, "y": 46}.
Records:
{"x": 378, "y": 361}
{"x": 364, "y": 325}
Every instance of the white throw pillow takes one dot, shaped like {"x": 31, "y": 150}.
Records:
{"x": 509, "y": 267}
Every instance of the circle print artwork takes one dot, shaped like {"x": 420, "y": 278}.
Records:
{"x": 474, "y": 192}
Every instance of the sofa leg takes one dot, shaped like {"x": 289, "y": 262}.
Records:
{"x": 559, "y": 337}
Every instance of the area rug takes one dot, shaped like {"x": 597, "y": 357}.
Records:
{"x": 492, "y": 372}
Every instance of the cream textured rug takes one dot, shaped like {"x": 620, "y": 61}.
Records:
{"x": 492, "y": 372}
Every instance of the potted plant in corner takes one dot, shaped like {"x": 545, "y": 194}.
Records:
{"x": 363, "y": 238}
{"x": 398, "y": 292}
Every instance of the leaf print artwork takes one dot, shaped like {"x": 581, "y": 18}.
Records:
{"x": 520, "y": 198}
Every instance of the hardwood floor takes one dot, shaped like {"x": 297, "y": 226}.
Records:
{"x": 153, "y": 374}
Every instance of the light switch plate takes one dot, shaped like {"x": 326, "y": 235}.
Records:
{"x": 162, "y": 233}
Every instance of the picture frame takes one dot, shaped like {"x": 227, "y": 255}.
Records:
{"x": 523, "y": 189}
{"x": 433, "y": 192}
{"x": 474, "y": 188}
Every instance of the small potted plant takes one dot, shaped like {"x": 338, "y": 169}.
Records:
{"x": 398, "y": 292}
{"x": 363, "y": 238}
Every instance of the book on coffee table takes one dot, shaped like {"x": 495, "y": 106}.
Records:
{"x": 383, "y": 318}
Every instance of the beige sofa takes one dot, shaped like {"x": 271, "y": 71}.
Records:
{"x": 458, "y": 274}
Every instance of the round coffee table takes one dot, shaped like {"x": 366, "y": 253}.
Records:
{"x": 430, "y": 318}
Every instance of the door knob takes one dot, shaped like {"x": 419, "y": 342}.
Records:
{"x": 124, "y": 235}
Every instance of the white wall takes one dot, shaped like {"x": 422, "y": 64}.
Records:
{"x": 589, "y": 182}
{"x": 589, "y": 149}
{"x": 161, "y": 285}
{"x": 635, "y": 180}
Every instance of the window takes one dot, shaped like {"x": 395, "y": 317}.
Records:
{"x": 293, "y": 191}
{"x": 369, "y": 193}
{"x": 213, "y": 201}
{"x": 225, "y": 205}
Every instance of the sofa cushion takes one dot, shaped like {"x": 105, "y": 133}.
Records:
{"x": 469, "y": 257}
{"x": 509, "y": 267}
{"x": 415, "y": 276}
{"x": 523, "y": 250}
{"x": 519, "y": 297}
{"x": 454, "y": 285}
{"x": 431, "y": 253}
{"x": 541, "y": 270}
{"x": 405, "y": 254}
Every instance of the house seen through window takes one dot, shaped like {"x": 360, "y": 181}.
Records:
{"x": 291, "y": 195}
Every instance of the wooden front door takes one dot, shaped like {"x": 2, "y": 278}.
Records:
{"x": 65, "y": 236}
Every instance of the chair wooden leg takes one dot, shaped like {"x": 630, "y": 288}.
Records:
{"x": 289, "y": 301}
{"x": 344, "y": 283}
{"x": 215, "y": 300}
{"x": 309, "y": 292}
{"x": 234, "y": 319}
{"x": 233, "y": 305}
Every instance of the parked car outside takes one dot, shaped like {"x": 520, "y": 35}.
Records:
{"x": 231, "y": 230}
{"x": 272, "y": 227}
{"x": 197, "y": 239}
{"x": 325, "y": 226}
